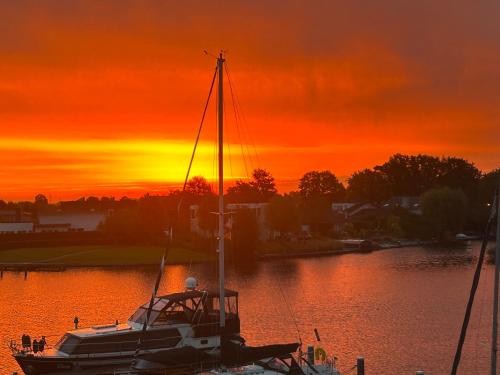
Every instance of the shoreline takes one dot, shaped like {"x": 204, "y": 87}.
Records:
{"x": 188, "y": 257}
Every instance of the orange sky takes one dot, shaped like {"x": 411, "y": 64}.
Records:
{"x": 104, "y": 97}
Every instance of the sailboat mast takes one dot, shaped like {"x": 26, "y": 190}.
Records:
{"x": 495, "y": 289}
{"x": 220, "y": 117}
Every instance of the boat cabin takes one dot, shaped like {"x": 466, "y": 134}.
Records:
{"x": 199, "y": 308}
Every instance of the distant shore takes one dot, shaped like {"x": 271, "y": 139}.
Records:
{"x": 60, "y": 258}
{"x": 347, "y": 250}
{"x": 57, "y": 258}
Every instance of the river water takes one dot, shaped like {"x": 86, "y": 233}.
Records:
{"x": 401, "y": 309}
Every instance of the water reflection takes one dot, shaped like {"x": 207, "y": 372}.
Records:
{"x": 400, "y": 308}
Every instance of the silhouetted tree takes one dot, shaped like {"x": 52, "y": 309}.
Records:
{"x": 415, "y": 174}
{"x": 260, "y": 189}
{"x": 445, "y": 210}
{"x": 264, "y": 183}
{"x": 198, "y": 187}
{"x": 324, "y": 184}
{"x": 41, "y": 201}
{"x": 244, "y": 235}
{"x": 317, "y": 213}
{"x": 368, "y": 186}
{"x": 282, "y": 213}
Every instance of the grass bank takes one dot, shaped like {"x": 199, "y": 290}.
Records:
{"x": 101, "y": 255}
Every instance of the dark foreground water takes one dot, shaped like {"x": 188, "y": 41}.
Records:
{"x": 401, "y": 309}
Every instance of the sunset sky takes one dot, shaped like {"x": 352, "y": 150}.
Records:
{"x": 105, "y": 97}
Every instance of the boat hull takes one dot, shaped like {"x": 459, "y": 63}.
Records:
{"x": 40, "y": 365}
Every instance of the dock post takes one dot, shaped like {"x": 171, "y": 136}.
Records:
{"x": 360, "y": 364}
{"x": 310, "y": 354}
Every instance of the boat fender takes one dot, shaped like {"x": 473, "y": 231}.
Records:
{"x": 41, "y": 344}
{"x": 320, "y": 354}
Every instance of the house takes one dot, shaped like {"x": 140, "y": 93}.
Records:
{"x": 14, "y": 216}
{"x": 66, "y": 222}
{"x": 16, "y": 227}
{"x": 257, "y": 209}
{"x": 341, "y": 207}
{"x": 409, "y": 203}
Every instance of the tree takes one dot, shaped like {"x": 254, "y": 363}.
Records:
{"x": 324, "y": 184}
{"x": 244, "y": 235}
{"x": 41, "y": 201}
{"x": 264, "y": 184}
{"x": 460, "y": 174}
{"x": 260, "y": 189}
{"x": 415, "y": 174}
{"x": 368, "y": 186}
{"x": 282, "y": 213}
{"x": 445, "y": 209}
{"x": 198, "y": 187}
{"x": 242, "y": 192}
{"x": 316, "y": 211}
{"x": 410, "y": 175}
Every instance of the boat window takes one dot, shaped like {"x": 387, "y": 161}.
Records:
{"x": 140, "y": 316}
{"x": 176, "y": 313}
{"x": 68, "y": 343}
{"x": 161, "y": 304}
{"x": 232, "y": 305}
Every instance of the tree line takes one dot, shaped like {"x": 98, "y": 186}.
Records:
{"x": 454, "y": 196}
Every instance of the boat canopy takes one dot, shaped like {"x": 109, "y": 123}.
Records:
{"x": 191, "y": 306}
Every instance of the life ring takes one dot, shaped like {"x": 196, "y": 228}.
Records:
{"x": 320, "y": 354}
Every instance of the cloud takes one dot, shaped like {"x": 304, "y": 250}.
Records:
{"x": 308, "y": 74}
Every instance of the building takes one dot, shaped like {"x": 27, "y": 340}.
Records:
{"x": 16, "y": 227}
{"x": 409, "y": 203}
{"x": 14, "y": 216}
{"x": 67, "y": 222}
{"x": 341, "y": 207}
{"x": 257, "y": 209}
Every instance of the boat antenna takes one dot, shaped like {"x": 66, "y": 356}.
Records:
{"x": 475, "y": 283}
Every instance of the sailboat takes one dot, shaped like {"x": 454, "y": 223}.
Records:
{"x": 232, "y": 350}
{"x": 196, "y": 329}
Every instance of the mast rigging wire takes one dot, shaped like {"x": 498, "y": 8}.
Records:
{"x": 199, "y": 131}
{"x": 169, "y": 236}
{"x": 475, "y": 282}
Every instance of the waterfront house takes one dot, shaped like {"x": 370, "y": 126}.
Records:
{"x": 259, "y": 210}
{"x": 66, "y": 222}
{"x": 16, "y": 227}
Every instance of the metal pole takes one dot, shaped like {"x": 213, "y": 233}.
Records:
{"x": 360, "y": 364}
{"x": 495, "y": 291}
{"x": 220, "y": 118}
